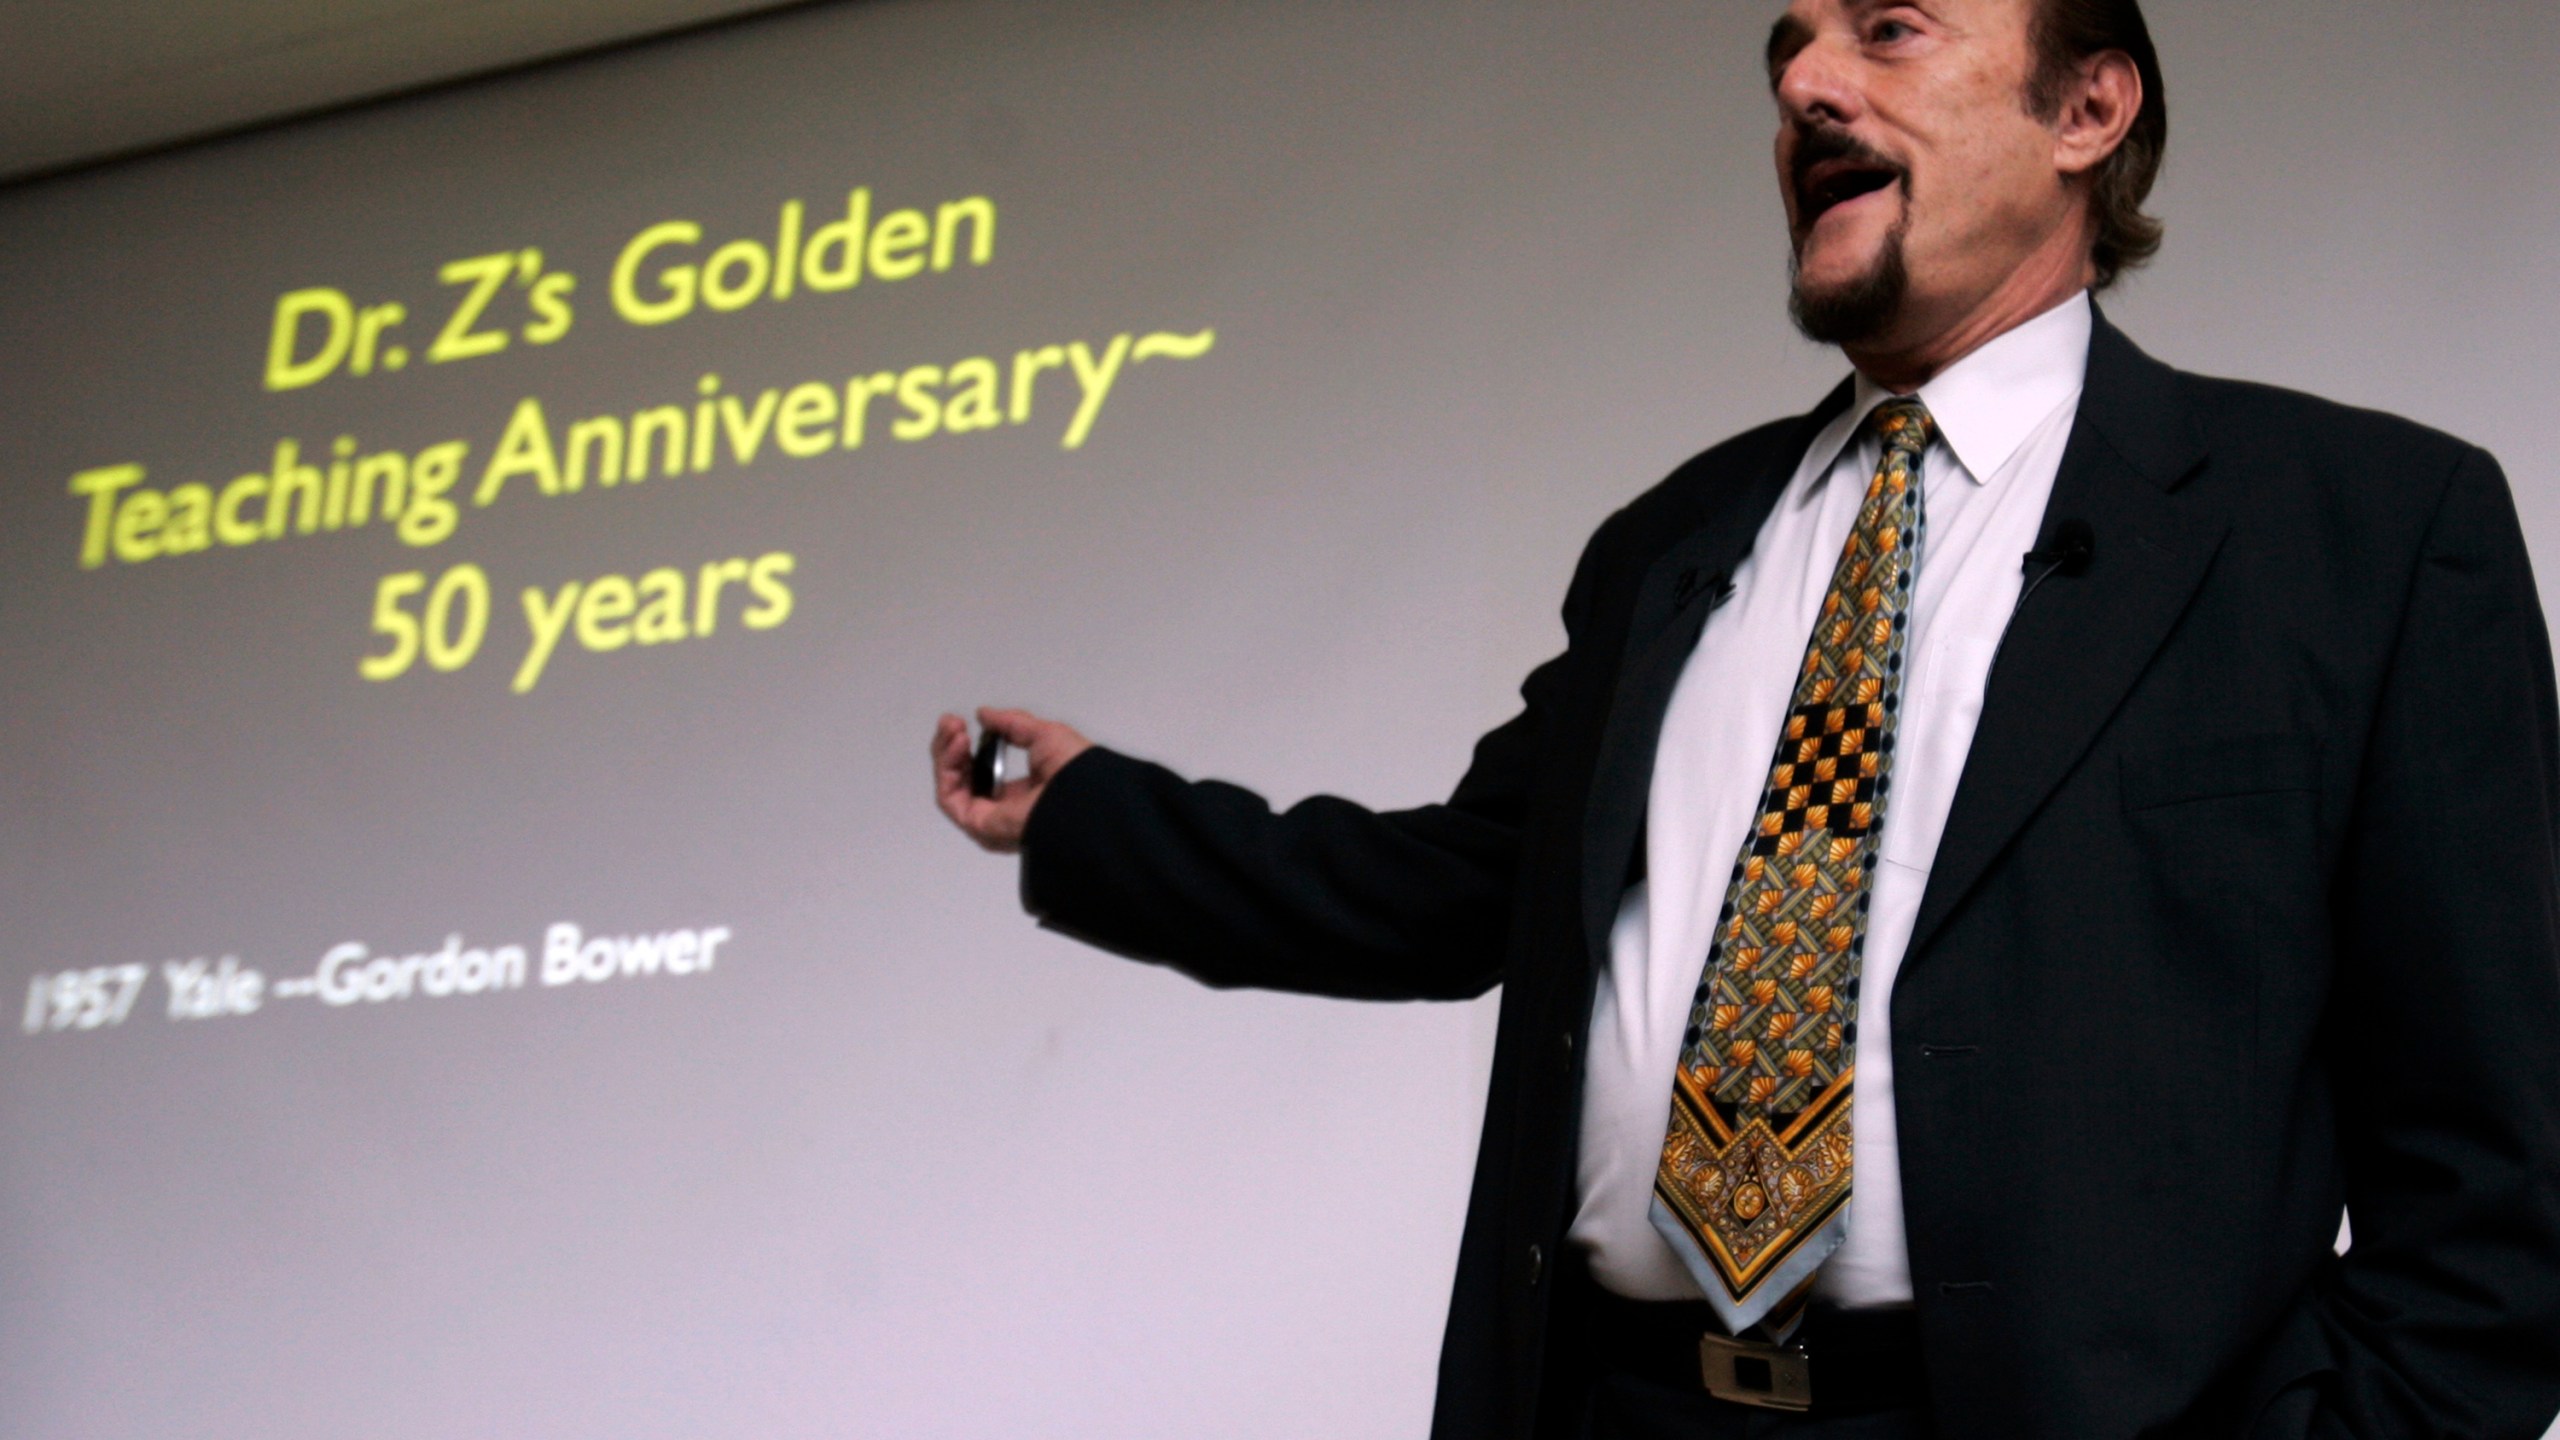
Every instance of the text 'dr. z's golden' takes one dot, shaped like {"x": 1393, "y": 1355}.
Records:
{"x": 662, "y": 274}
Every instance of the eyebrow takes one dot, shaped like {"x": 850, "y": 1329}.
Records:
{"x": 1786, "y": 38}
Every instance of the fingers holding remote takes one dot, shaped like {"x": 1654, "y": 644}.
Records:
{"x": 995, "y": 821}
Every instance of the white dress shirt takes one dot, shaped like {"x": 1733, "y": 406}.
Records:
{"x": 2004, "y": 414}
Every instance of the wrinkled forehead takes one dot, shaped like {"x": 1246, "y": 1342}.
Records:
{"x": 1797, "y": 26}
{"x": 1806, "y": 21}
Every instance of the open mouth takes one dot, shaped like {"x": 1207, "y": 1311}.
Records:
{"x": 1829, "y": 184}
{"x": 1833, "y": 168}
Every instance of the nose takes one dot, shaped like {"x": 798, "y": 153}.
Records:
{"x": 1819, "y": 85}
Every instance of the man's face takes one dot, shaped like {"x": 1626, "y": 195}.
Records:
{"x": 1915, "y": 178}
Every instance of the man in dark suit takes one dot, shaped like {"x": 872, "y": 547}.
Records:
{"x": 2202, "y": 872}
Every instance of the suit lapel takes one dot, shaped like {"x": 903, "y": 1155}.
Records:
{"x": 1680, "y": 589}
{"x": 2075, "y": 647}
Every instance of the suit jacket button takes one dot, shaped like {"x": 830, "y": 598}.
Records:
{"x": 1537, "y": 1265}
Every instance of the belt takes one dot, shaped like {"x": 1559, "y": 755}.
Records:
{"x": 1839, "y": 1362}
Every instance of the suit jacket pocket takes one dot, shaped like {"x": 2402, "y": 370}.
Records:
{"x": 2213, "y": 768}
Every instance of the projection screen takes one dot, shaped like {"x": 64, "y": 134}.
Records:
{"x": 477, "y": 574}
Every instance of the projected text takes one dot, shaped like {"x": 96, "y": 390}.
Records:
{"x": 421, "y": 490}
{"x": 350, "y": 974}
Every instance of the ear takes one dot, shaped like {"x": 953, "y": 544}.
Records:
{"x": 2097, "y": 111}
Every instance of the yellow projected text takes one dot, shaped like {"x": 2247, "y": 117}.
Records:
{"x": 131, "y": 522}
{"x": 443, "y": 622}
{"x": 662, "y": 273}
{"x": 317, "y": 330}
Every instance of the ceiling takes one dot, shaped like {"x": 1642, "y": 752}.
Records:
{"x": 85, "y": 80}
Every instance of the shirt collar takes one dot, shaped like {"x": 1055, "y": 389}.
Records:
{"x": 1989, "y": 402}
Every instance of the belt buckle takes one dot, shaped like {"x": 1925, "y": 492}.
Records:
{"x": 1745, "y": 1373}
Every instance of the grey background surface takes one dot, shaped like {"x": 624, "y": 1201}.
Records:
{"x": 904, "y": 1165}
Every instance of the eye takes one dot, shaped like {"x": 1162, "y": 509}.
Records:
{"x": 1887, "y": 32}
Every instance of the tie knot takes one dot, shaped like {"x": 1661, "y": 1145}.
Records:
{"x": 1905, "y": 425}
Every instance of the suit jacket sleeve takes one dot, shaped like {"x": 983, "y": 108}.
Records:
{"x": 1327, "y": 897}
{"x": 2444, "y": 1316}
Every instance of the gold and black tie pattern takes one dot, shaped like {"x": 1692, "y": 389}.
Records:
{"x": 1753, "y": 1187}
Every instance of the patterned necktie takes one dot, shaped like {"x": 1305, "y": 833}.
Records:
{"x": 1753, "y": 1187}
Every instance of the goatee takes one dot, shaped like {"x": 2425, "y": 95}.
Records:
{"x": 1859, "y": 310}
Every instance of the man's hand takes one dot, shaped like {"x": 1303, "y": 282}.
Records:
{"x": 996, "y": 822}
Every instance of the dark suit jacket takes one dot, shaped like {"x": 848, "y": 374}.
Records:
{"x": 2248, "y": 906}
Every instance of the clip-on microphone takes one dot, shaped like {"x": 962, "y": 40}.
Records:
{"x": 2067, "y": 549}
